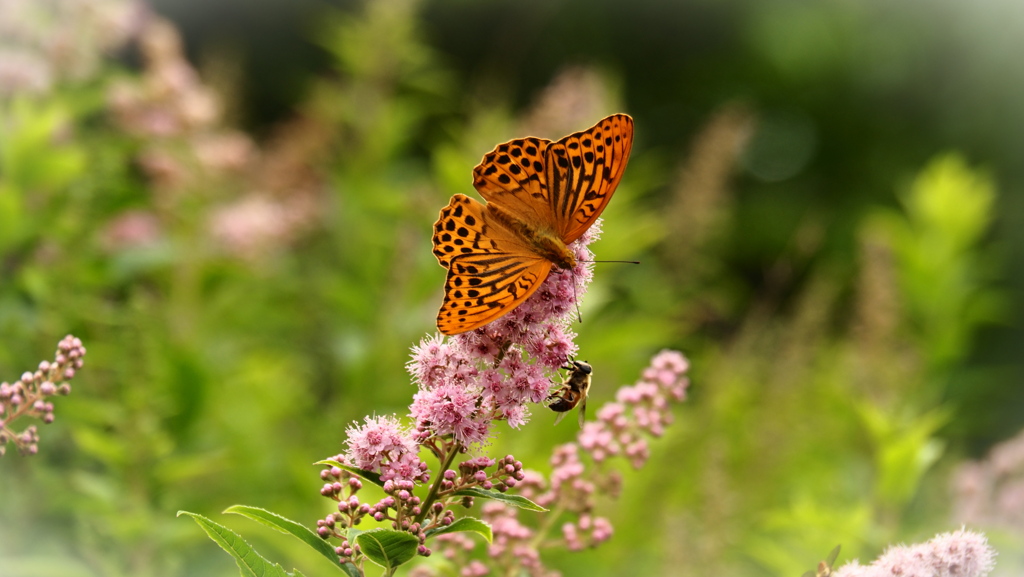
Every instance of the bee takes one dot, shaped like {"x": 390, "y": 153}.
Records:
{"x": 824, "y": 567}
{"x": 572, "y": 392}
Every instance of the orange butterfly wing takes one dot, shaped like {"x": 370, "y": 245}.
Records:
{"x": 512, "y": 176}
{"x": 582, "y": 172}
{"x": 490, "y": 270}
{"x": 563, "y": 185}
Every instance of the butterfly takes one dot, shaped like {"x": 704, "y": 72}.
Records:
{"x": 541, "y": 196}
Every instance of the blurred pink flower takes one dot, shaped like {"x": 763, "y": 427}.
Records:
{"x": 228, "y": 151}
{"x": 23, "y": 72}
{"x": 131, "y": 229}
{"x": 990, "y": 492}
{"x": 256, "y": 224}
{"x": 958, "y": 554}
{"x": 169, "y": 99}
{"x": 163, "y": 169}
{"x": 574, "y": 98}
{"x": 43, "y": 42}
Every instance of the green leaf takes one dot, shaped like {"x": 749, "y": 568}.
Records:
{"x": 287, "y": 526}
{"x": 387, "y": 548}
{"x": 368, "y": 475}
{"x": 250, "y": 563}
{"x": 462, "y": 525}
{"x": 905, "y": 448}
{"x": 514, "y": 500}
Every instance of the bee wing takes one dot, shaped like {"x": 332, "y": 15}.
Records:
{"x": 825, "y": 568}
{"x": 831, "y": 559}
{"x": 583, "y": 411}
{"x": 559, "y": 418}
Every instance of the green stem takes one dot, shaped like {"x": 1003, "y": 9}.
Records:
{"x": 549, "y": 522}
{"x": 436, "y": 487}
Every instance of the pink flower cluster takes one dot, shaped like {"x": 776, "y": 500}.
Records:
{"x": 621, "y": 429}
{"x": 468, "y": 381}
{"x": 186, "y": 149}
{"x": 400, "y": 506}
{"x": 643, "y": 408}
{"x": 510, "y": 549}
{"x": 465, "y": 384}
{"x": 26, "y": 397}
{"x": 383, "y": 446}
{"x": 958, "y": 554}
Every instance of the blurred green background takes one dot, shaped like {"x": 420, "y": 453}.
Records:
{"x": 826, "y": 198}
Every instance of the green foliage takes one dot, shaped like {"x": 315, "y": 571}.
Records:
{"x": 945, "y": 277}
{"x": 387, "y": 548}
{"x": 903, "y": 452}
{"x": 465, "y": 524}
{"x": 288, "y": 527}
{"x": 250, "y": 563}
{"x": 517, "y": 501}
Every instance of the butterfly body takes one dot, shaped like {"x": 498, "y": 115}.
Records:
{"x": 541, "y": 196}
{"x": 544, "y": 241}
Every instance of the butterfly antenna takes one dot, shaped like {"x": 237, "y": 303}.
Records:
{"x": 618, "y": 261}
{"x": 579, "y": 315}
